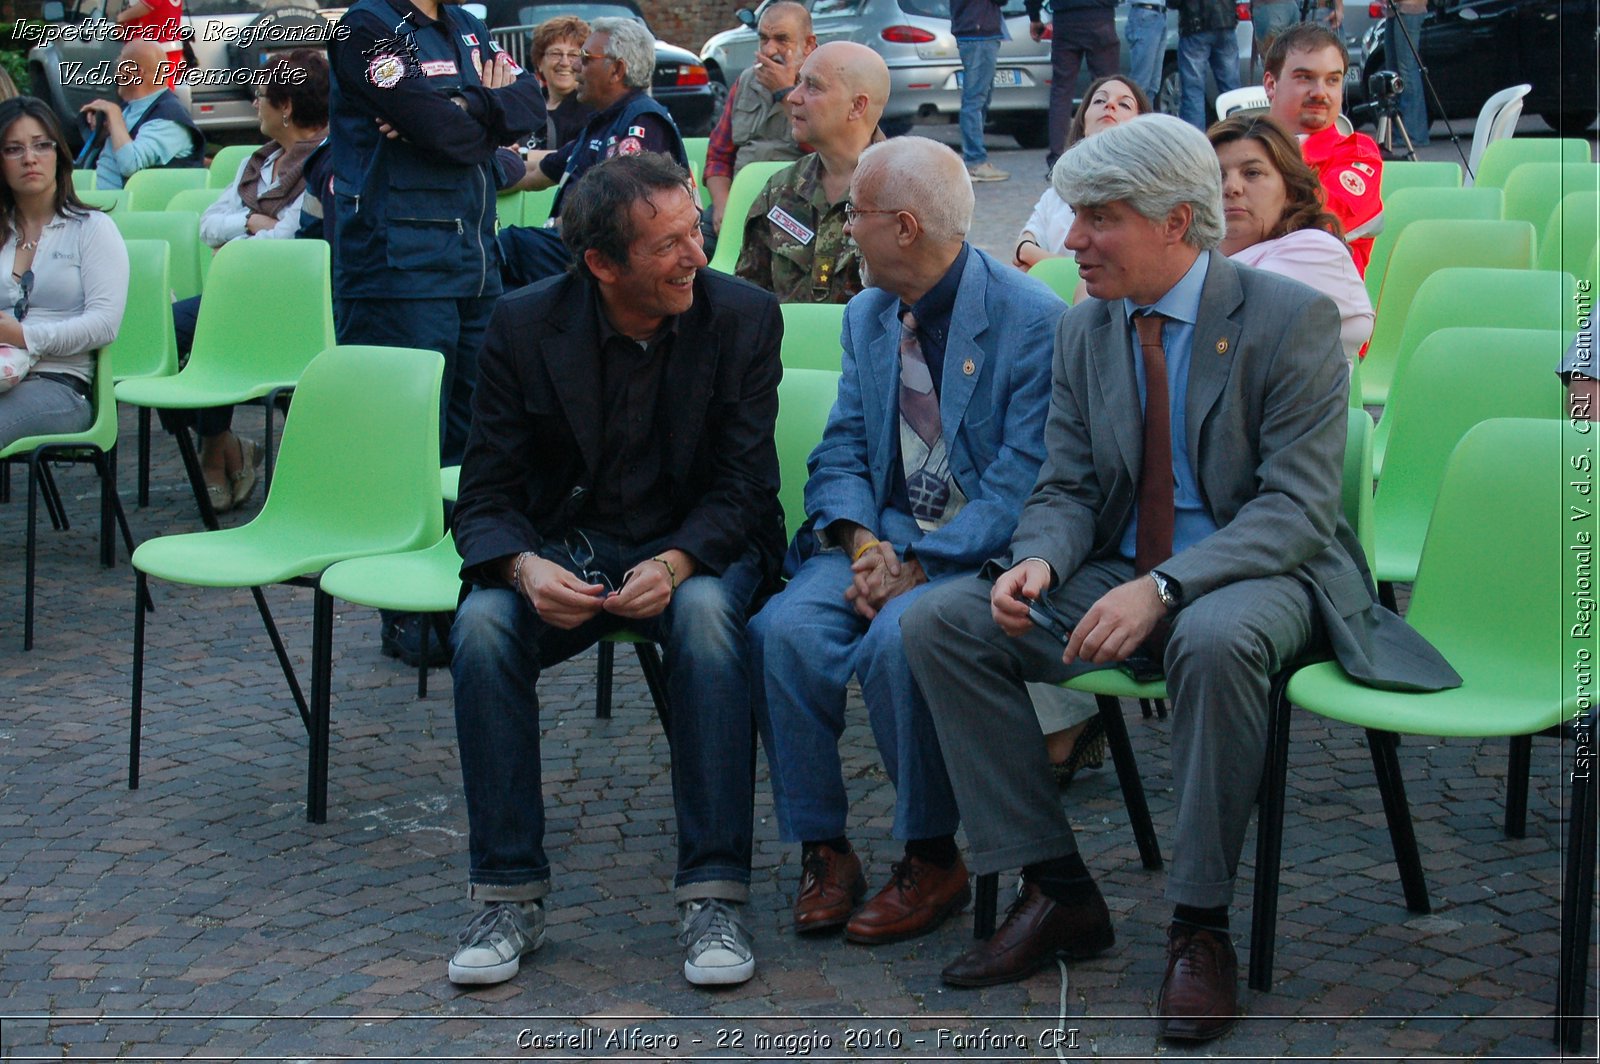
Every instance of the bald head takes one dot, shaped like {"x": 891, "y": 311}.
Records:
{"x": 139, "y": 69}
{"x": 920, "y": 176}
{"x": 840, "y": 97}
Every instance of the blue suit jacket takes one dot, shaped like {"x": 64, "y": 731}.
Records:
{"x": 993, "y": 399}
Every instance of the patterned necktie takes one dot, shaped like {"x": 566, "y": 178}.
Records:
{"x": 922, "y": 453}
{"x": 1153, "y": 540}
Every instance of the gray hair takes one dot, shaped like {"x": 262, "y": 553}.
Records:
{"x": 921, "y": 176}
{"x": 630, "y": 43}
{"x": 1153, "y": 163}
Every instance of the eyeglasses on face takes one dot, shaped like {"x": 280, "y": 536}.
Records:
{"x": 558, "y": 56}
{"x": 852, "y": 213}
{"x": 587, "y": 56}
{"x": 38, "y": 147}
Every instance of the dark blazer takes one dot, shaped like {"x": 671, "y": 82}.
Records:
{"x": 535, "y": 443}
{"x": 1267, "y": 405}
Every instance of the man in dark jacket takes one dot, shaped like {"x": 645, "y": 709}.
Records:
{"x": 1080, "y": 30}
{"x": 976, "y": 24}
{"x": 621, "y": 474}
{"x": 1205, "y": 38}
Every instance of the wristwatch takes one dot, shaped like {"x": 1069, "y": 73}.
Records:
{"x": 1167, "y": 588}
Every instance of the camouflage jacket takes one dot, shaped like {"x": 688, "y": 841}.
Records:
{"x": 794, "y": 242}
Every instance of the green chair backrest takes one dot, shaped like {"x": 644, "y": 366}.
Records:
{"x": 1413, "y": 204}
{"x": 805, "y": 399}
{"x": 811, "y": 336}
{"x": 377, "y": 410}
{"x": 1356, "y": 496}
{"x": 102, "y": 431}
{"x": 83, "y": 181}
{"x": 145, "y": 345}
{"x": 536, "y": 207}
{"x": 225, "y": 164}
{"x": 508, "y": 208}
{"x": 1457, "y": 378}
{"x": 1494, "y": 590}
{"x": 1060, "y": 273}
{"x": 267, "y": 313}
{"x": 1534, "y": 189}
{"x": 1426, "y": 246}
{"x": 181, "y": 231}
{"x": 747, "y": 185}
{"x": 152, "y": 190}
{"x": 695, "y": 148}
{"x": 1399, "y": 175}
{"x": 194, "y": 199}
{"x": 1570, "y": 234}
{"x": 1504, "y": 156}
{"x": 110, "y": 200}
{"x": 1468, "y": 297}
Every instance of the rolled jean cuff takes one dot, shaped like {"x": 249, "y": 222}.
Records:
{"x": 733, "y": 890}
{"x": 1199, "y": 895}
{"x": 530, "y": 891}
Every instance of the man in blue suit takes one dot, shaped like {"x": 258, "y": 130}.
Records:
{"x": 929, "y": 453}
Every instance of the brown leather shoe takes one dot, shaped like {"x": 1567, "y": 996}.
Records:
{"x": 831, "y": 885}
{"x": 1036, "y": 929}
{"x": 1200, "y": 995}
{"x": 919, "y": 897}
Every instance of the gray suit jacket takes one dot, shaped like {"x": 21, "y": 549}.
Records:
{"x": 1268, "y": 389}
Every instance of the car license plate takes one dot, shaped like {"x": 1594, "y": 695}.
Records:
{"x": 1003, "y": 79}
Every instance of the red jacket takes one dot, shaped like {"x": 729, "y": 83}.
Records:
{"x": 1351, "y": 171}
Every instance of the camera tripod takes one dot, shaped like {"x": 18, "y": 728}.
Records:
{"x": 1386, "y": 94}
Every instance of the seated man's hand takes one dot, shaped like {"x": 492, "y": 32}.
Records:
{"x": 109, "y": 113}
{"x": 559, "y": 596}
{"x": 647, "y": 588}
{"x": 1028, "y": 579}
{"x": 878, "y": 576}
{"x": 1116, "y": 625}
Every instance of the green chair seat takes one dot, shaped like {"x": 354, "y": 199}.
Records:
{"x": 1502, "y": 158}
{"x": 1534, "y": 189}
{"x": 812, "y": 336}
{"x": 225, "y": 164}
{"x": 197, "y": 200}
{"x": 152, "y": 190}
{"x": 83, "y": 181}
{"x": 1414, "y": 204}
{"x": 1114, "y": 683}
{"x": 1571, "y": 233}
{"x": 1404, "y": 175}
{"x": 450, "y": 482}
{"x": 747, "y": 186}
{"x": 419, "y": 581}
{"x": 1060, "y": 273}
{"x": 189, "y": 258}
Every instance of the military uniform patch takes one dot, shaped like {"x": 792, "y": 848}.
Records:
{"x": 790, "y": 224}
{"x": 629, "y": 146}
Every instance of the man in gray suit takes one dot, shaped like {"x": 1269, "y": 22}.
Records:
{"x": 1226, "y": 565}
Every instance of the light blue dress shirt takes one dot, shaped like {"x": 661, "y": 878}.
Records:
{"x": 157, "y": 143}
{"x": 1181, "y": 305}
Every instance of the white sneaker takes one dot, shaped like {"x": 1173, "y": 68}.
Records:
{"x": 987, "y": 171}
{"x": 493, "y": 945}
{"x": 719, "y": 946}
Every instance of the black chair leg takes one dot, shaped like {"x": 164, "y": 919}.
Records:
{"x": 424, "y": 636}
{"x": 1518, "y": 765}
{"x": 52, "y": 496}
{"x": 1577, "y": 909}
{"x": 144, "y": 456}
{"x": 1386, "y": 764}
{"x": 135, "y": 720}
{"x": 197, "y": 479}
{"x": 283, "y": 657}
{"x": 985, "y": 900}
{"x": 655, "y": 678}
{"x": 602, "y": 679}
{"x": 1269, "y": 840}
{"x": 1144, "y": 832}
{"x": 33, "y": 521}
{"x": 321, "y": 708}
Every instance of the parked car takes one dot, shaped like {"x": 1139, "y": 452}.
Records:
{"x": 1474, "y": 48}
{"x": 914, "y": 38}
{"x": 231, "y": 39}
{"x": 680, "y": 81}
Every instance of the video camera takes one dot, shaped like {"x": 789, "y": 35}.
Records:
{"x": 1384, "y": 87}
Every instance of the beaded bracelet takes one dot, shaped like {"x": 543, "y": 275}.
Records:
{"x": 672, "y": 574}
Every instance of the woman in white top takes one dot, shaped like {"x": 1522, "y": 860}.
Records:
{"x": 262, "y": 203}
{"x": 1273, "y": 207}
{"x": 1109, "y": 101}
{"x": 63, "y": 277}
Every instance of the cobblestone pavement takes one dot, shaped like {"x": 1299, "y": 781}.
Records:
{"x": 201, "y": 916}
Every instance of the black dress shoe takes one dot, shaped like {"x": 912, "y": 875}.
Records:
{"x": 1200, "y": 995}
{"x": 1036, "y": 930}
{"x": 402, "y": 637}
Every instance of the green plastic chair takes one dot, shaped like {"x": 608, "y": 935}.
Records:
{"x": 189, "y": 260}
{"x": 377, "y": 410}
{"x": 805, "y": 401}
{"x": 248, "y": 347}
{"x": 96, "y": 446}
{"x": 508, "y": 208}
{"x": 1462, "y": 296}
{"x": 1534, "y": 189}
{"x": 194, "y": 199}
{"x": 146, "y": 345}
{"x": 1492, "y": 596}
{"x": 1403, "y": 175}
{"x": 1571, "y": 233}
{"x": 1426, "y": 246}
{"x": 1060, "y": 273}
{"x": 1456, "y": 379}
{"x": 152, "y": 190}
{"x": 811, "y": 336}
{"x": 1413, "y": 204}
{"x": 536, "y": 207}
{"x": 1504, "y": 156}
{"x": 695, "y": 148}
{"x": 83, "y": 181}
{"x": 109, "y": 200}
{"x": 450, "y": 482}
{"x": 747, "y": 185}
{"x": 225, "y": 164}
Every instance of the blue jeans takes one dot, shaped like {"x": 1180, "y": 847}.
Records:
{"x": 1216, "y": 48}
{"x": 805, "y": 645}
{"x": 977, "y": 86}
{"x": 39, "y": 407}
{"x": 1403, "y": 61}
{"x": 500, "y": 647}
{"x": 1268, "y": 19}
{"x": 1078, "y": 36}
{"x": 1147, "y": 39}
